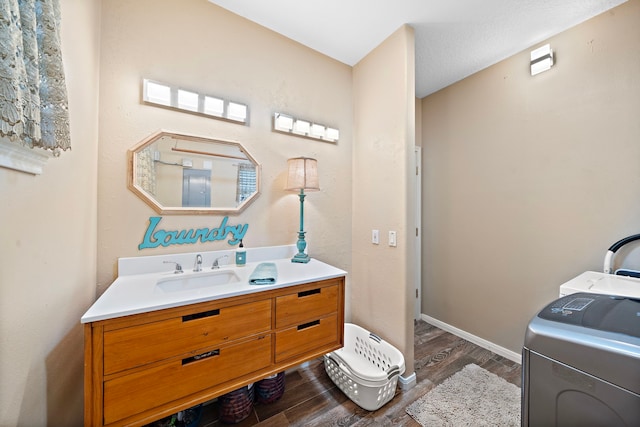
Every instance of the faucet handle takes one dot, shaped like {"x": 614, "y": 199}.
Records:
{"x": 178, "y": 266}
{"x": 216, "y": 265}
{"x": 197, "y": 266}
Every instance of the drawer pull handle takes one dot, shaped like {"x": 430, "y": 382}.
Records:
{"x": 308, "y": 325}
{"x": 201, "y": 356}
{"x": 307, "y": 293}
{"x": 195, "y": 316}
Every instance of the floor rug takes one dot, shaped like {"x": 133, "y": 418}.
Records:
{"x": 471, "y": 397}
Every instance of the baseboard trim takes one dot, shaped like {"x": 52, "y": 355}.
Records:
{"x": 407, "y": 382}
{"x": 511, "y": 355}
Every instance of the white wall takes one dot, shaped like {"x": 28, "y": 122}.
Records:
{"x": 528, "y": 179}
{"x": 384, "y": 94}
{"x": 48, "y": 245}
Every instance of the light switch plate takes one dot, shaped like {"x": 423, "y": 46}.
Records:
{"x": 375, "y": 237}
{"x": 392, "y": 238}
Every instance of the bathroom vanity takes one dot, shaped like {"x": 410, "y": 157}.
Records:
{"x": 153, "y": 349}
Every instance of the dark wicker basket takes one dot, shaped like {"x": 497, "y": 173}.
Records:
{"x": 270, "y": 389}
{"x": 237, "y": 405}
{"x": 190, "y": 418}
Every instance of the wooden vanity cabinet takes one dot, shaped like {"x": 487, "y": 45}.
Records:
{"x": 143, "y": 367}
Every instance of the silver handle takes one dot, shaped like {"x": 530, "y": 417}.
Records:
{"x": 178, "y": 266}
{"x": 215, "y": 262}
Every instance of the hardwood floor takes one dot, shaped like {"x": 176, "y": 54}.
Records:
{"x": 311, "y": 398}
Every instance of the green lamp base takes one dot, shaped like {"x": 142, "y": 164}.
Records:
{"x": 302, "y": 244}
{"x": 300, "y": 257}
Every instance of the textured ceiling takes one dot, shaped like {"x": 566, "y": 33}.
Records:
{"x": 454, "y": 38}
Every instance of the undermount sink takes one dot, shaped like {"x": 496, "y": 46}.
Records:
{"x": 199, "y": 280}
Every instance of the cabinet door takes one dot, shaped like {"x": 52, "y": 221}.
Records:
{"x": 306, "y": 305}
{"x": 144, "y": 390}
{"x": 139, "y": 345}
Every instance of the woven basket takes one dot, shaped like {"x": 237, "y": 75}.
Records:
{"x": 189, "y": 418}
{"x": 237, "y": 405}
{"x": 270, "y": 389}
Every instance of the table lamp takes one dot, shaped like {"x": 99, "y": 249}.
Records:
{"x": 303, "y": 175}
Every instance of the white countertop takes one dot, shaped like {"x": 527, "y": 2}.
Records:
{"x": 138, "y": 293}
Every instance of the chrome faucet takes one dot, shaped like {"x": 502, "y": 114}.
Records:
{"x": 198, "y": 264}
{"x": 178, "y": 266}
{"x": 216, "y": 265}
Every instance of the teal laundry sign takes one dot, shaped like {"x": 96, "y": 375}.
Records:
{"x": 155, "y": 236}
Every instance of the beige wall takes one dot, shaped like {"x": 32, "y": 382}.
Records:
{"x": 528, "y": 180}
{"x": 48, "y": 246}
{"x": 384, "y": 105}
{"x": 197, "y": 45}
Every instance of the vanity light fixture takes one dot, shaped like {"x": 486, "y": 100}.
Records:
{"x": 166, "y": 95}
{"x": 285, "y": 123}
{"x": 302, "y": 175}
{"x": 541, "y": 59}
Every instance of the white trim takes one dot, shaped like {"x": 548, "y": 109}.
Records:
{"x": 23, "y": 159}
{"x": 511, "y": 355}
{"x": 407, "y": 383}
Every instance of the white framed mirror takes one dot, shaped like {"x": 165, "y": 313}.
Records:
{"x": 177, "y": 173}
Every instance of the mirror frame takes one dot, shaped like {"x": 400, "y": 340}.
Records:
{"x": 176, "y": 210}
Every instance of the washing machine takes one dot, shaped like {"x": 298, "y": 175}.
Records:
{"x": 581, "y": 363}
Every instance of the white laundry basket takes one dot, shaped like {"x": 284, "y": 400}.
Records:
{"x": 366, "y": 369}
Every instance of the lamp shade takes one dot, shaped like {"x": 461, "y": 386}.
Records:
{"x": 303, "y": 174}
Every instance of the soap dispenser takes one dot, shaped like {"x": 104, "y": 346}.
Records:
{"x": 241, "y": 255}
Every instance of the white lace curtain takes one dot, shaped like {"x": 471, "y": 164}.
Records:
{"x": 33, "y": 94}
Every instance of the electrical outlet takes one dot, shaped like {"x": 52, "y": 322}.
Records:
{"x": 392, "y": 238}
{"x": 375, "y": 237}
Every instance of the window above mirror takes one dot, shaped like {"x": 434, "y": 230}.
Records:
{"x": 177, "y": 173}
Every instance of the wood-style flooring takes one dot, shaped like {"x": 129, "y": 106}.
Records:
{"x": 311, "y": 398}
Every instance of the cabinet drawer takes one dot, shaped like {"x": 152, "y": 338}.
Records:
{"x": 306, "y": 337}
{"x": 306, "y": 305}
{"x": 139, "y": 345}
{"x": 131, "y": 394}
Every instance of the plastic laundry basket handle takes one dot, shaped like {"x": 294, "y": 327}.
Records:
{"x": 614, "y": 248}
{"x": 393, "y": 371}
{"x": 339, "y": 363}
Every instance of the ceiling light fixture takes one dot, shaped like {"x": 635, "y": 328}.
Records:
{"x": 541, "y": 59}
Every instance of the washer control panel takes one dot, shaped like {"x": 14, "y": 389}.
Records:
{"x": 609, "y": 313}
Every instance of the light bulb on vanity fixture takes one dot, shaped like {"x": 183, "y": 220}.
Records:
{"x": 302, "y": 175}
